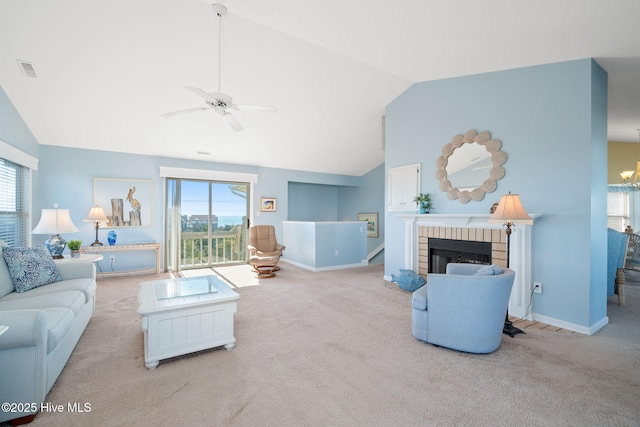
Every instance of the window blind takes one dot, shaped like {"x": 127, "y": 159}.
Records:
{"x": 617, "y": 210}
{"x": 14, "y": 203}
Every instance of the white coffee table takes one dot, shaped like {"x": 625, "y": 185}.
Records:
{"x": 186, "y": 315}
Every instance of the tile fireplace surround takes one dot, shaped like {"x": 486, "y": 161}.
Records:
{"x": 473, "y": 227}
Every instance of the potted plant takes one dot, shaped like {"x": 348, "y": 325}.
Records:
{"x": 74, "y": 247}
{"x": 424, "y": 202}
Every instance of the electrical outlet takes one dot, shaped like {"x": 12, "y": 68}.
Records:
{"x": 537, "y": 287}
{"x": 112, "y": 258}
{"x": 337, "y": 252}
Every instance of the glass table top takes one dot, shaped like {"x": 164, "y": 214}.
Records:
{"x": 184, "y": 287}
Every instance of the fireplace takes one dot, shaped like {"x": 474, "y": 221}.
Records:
{"x": 456, "y": 244}
{"x": 444, "y": 251}
{"x": 419, "y": 230}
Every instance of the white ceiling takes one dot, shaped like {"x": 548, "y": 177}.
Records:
{"x": 107, "y": 70}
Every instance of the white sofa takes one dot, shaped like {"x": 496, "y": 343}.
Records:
{"x": 45, "y": 324}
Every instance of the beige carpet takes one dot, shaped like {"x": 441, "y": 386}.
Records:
{"x": 335, "y": 349}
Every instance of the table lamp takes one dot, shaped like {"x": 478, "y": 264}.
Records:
{"x": 55, "y": 221}
{"x": 96, "y": 214}
{"x": 510, "y": 212}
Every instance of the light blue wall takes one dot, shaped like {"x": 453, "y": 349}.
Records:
{"x": 340, "y": 243}
{"x": 13, "y": 130}
{"x": 367, "y": 198}
{"x": 313, "y": 202}
{"x": 300, "y": 241}
{"x": 275, "y": 183}
{"x": 599, "y": 154}
{"x": 551, "y": 120}
{"x": 325, "y": 244}
{"x": 66, "y": 178}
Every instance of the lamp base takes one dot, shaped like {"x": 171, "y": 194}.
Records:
{"x": 509, "y": 329}
{"x": 56, "y": 245}
{"x": 96, "y": 243}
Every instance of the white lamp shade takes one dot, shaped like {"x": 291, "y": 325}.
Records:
{"x": 626, "y": 175}
{"x": 55, "y": 221}
{"x": 510, "y": 209}
{"x": 96, "y": 214}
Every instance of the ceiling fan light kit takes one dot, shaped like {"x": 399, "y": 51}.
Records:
{"x": 219, "y": 101}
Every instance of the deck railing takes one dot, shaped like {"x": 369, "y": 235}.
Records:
{"x": 226, "y": 247}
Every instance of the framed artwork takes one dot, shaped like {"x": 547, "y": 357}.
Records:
{"x": 372, "y": 223}
{"x": 267, "y": 204}
{"x": 126, "y": 202}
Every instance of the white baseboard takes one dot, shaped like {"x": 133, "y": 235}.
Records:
{"x": 571, "y": 326}
{"x": 363, "y": 263}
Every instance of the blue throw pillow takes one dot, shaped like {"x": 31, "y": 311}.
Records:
{"x": 489, "y": 270}
{"x": 30, "y": 267}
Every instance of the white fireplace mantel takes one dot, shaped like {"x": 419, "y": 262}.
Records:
{"x": 520, "y": 249}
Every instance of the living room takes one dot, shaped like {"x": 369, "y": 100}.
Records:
{"x": 546, "y": 129}
{"x": 550, "y": 118}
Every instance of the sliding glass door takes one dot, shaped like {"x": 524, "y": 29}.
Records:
{"x": 206, "y": 223}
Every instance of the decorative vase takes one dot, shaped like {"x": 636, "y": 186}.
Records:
{"x": 423, "y": 209}
{"x": 112, "y": 237}
{"x": 75, "y": 253}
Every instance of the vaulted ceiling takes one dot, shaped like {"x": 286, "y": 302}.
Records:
{"x": 108, "y": 70}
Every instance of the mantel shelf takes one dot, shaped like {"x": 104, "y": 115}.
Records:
{"x": 455, "y": 219}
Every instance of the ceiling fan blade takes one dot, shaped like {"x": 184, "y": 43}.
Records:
{"x": 255, "y": 108}
{"x": 199, "y": 92}
{"x": 233, "y": 122}
{"x": 188, "y": 110}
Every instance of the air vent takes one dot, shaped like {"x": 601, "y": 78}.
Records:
{"x": 27, "y": 68}
{"x": 204, "y": 153}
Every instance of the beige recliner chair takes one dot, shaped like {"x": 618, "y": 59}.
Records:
{"x": 264, "y": 250}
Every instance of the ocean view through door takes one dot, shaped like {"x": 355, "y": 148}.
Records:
{"x": 206, "y": 223}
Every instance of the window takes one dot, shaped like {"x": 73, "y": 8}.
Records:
{"x": 14, "y": 203}
{"x": 617, "y": 210}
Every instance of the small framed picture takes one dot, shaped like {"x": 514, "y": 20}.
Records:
{"x": 267, "y": 204}
{"x": 372, "y": 223}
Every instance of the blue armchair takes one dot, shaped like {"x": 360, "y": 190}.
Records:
{"x": 616, "y": 256}
{"x": 461, "y": 309}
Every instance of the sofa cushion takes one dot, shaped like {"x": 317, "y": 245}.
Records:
{"x": 73, "y": 300}
{"x": 59, "y": 321}
{"x": 85, "y": 285}
{"x": 6, "y": 284}
{"x": 30, "y": 267}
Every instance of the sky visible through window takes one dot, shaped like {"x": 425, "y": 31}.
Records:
{"x": 228, "y": 205}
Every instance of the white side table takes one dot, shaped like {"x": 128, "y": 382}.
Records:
{"x": 3, "y": 329}
{"x": 81, "y": 258}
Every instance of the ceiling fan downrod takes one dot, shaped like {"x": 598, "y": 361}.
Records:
{"x": 220, "y": 12}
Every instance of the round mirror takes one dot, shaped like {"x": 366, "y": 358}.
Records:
{"x": 470, "y": 166}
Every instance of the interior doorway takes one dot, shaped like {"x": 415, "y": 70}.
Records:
{"x": 206, "y": 223}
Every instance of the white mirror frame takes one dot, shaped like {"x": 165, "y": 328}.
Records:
{"x": 498, "y": 158}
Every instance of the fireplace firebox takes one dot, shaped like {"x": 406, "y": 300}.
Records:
{"x": 444, "y": 251}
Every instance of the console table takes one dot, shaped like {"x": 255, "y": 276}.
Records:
{"x": 126, "y": 248}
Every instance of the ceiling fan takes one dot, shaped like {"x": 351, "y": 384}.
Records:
{"x": 218, "y": 101}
